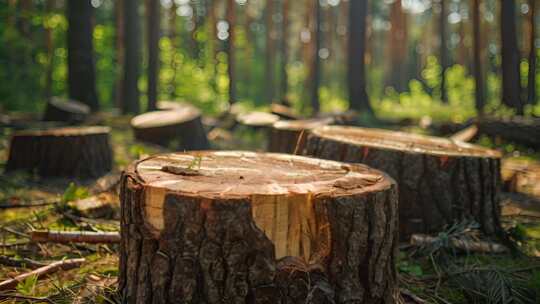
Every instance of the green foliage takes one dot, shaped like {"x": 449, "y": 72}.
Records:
{"x": 28, "y": 285}
{"x": 74, "y": 192}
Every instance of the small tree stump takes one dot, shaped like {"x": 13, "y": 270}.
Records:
{"x": 285, "y": 134}
{"x": 440, "y": 181}
{"x": 257, "y": 119}
{"x": 82, "y": 152}
{"x": 70, "y": 111}
{"x": 244, "y": 227}
{"x": 180, "y": 128}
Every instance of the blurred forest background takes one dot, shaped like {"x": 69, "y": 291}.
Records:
{"x": 422, "y": 57}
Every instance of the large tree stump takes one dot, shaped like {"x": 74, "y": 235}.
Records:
{"x": 285, "y": 134}
{"x": 180, "y": 128}
{"x": 82, "y": 152}
{"x": 440, "y": 181}
{"x": 244, "y": 227}
{"x": 70, "y": 111}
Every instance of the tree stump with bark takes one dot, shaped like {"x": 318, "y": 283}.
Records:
{"x": 285, "y": 134}
{"x": 82, "y": 152}
{"x": 440, "y": 181}
{"x": 69, "y": 111}
{"x": 245, "y": 227}
{"x": 180, "y": 128}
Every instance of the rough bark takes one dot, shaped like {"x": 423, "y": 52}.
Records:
{"x": 132, "y": 57}
{"x": 180, "y": 128}
{"x": 152, "y": 23}
{"x": 81, "y": 64}
{"x": 356, "y": 68}
{"x": 440, "y": 181}
{"x": 82, "y": 152}
{"x": 250, "y": 244}
{"x": 285, "y": 134}
{"x": 69, "y": 111}
{"x": 511, "y": 86}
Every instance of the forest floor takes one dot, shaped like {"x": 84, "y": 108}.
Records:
{"x": 434, "y": 273}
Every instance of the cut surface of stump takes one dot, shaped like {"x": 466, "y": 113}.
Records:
{"x": 180, "y": 128}
{"x": 244, "y": 227}
{"x": 257, "y": 119}
{"x": 82, "y": 152}
{"x": 440, "y": 181}
{"x": 285, "y": 134}
{"x": 64, "y": 110}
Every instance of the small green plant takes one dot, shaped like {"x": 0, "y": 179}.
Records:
{"x": 74, "y": 192}
{"x": 196, "y": 162}
{"x": 27, "y": 286}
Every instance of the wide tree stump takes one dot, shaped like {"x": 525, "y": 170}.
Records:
{"x": 244, "y": 227}
{"x": 82, "y": 152}
{"x": 70, "y": 111}
{"x": 180, "y": 128}
{"x": 440, "y": 181}
{"x": 285, "y": 134}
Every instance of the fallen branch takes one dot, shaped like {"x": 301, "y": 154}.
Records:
{"x": 24, "y": 263}
{"x": 75, "y": 237}
{"x": 466, "y": 245}
{"x": 466, "y": 134}
{"x": 40, "y": 272}
{"x": 6, "y": 205}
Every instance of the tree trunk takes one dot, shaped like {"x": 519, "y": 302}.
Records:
{"x": 69, "y": 111}
{"x": 173, "y": 36}
{"x": 179, "y": 128}
{"x": 81, "y": 65}
{"x": 531, "y": 86}
{"x": 65, "y": 152}
{"x": 397, "y": 48}
{"x": 285, "y": 54}
{"x": 270, "y": 52}
{"x": 291, "y": 231}
{"x": 443, "y": 19}
{"x": 229, "y": 49}
{"x": 120, "y": 52}
{"x": 478, "y": 71}
{"x": 132, "y": 57}
{"x": 152, "y": 23}
{"x": 49, "y": 46}
{"x": 316, "y": 64}
{"x": 286, "y": 134}
{"x": 440, "y": 181}
{"x": 511, "y": 86}
{"x": 356, "y": 70}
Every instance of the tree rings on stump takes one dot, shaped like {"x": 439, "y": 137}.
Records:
{"x": 285, "y": 134}
{"x": 245, "y": 227}
{"x": 180, "y": 128}
{"x": 70, "y": 111}
{"x": 440, "y": 181}
{"x": 82, "y": 152}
